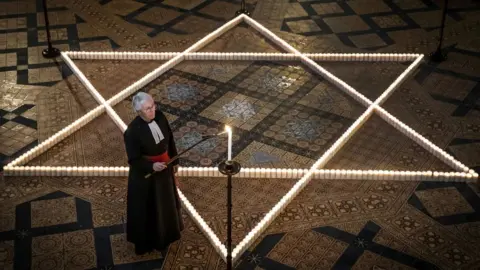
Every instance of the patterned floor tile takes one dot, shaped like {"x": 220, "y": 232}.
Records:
{"x": 53, "y": 212}
{"x": 73, "y": 250}
{"x": 295, "y": 10}
{"x": 245, "y": 39}
{"x": 470, "y": 231}
{"x": 346, "y": 24}
{"x": 459, "y": 64}
{"x": 444, "y": 201}
{"x": 327, "y": 8}
{"x": 7, "y": 253}
{"x": 271, "y": 80}
{"x": 238, "y": 110}
{"x": 111, "y": 77}
{"x": 367, "y": 41}
{"x": 369, "y": 78}
{"x": 251, "y": 201}
{"x": 262, "y": 155}
{"x": 330, "y": 99}
{"x": 124, "y": 252}
{"x": 425, "y": 19}
{"x": 87, "y": 146}
{"x": 317, "y": 250}
{"x": 197, "y": 24}
{"x": 408, "y": 229}
{"x": 306, "y": 129}
{"x": 225, "y": 10}
{"x": 123, "y": 7}
{"x": 370, "y": 260}
{"x": 207, "y": 153}
{"x": 368, "y": 7}
{"x": 182, "y": 91}
{"x": 378, "y": 144}
{"x": 7, "y": 222}
{"x": 222, "y": 71}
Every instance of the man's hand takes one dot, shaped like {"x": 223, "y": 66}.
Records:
{"x": 159, "y": 166}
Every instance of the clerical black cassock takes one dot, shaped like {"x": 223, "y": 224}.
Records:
{"x": 153, "y": 206}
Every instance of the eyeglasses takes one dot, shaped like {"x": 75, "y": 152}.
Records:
{"x": 150, "y": 108}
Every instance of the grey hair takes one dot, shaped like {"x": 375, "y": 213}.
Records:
{"x": 139, "y": 99}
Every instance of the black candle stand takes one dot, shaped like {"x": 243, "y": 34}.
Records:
{"x": 229, "y": 168}
{"x": 440, "y": 56}
{"x": 50, "y": 51}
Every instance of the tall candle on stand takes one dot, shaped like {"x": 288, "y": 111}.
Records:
{"x": 229, "y": 132}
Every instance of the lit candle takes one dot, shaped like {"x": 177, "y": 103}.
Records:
{"x": 229, "y": 131}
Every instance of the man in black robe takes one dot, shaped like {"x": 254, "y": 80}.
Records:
{"x": 153, "y": 205}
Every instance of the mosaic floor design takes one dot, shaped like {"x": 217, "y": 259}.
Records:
{"x": 377, "y": 145}
{"x": 331, "y": 224}
{"x": 370, "y": 24}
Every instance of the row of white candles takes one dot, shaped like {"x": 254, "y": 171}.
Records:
{"x": 336, "y": 81}
{"x": 83, "y": 79}
{"x": 253, "y": 235}
{"x": 170, "y": 64}
{"x": 253, "y": 173}
{"x": 116, "y": 118}
{"x": 310, "y": 63}
{"x": 400, "y": 79}
{"x": 270, "y": 35}
{"x": 307, "y": 174}
{"x": 299, "y": 185}
{"x": 145, "y": 80}
{"x": 246, "y": 56}
{"x": 57, "y": 137}
{"x": 197, "y": 218}
{"x": 425, "y": 143}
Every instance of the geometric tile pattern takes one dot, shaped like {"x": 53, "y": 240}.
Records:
{"x": 400, "y": 231}
{"x": 154, "y": 17}
{"x": 77, "y": 244}
{"x": 368, "y": 25}
{"x": 305, "y": 127}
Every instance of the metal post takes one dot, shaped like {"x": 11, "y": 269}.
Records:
{"x": 229, "y": 168}
{"x": 229, "y": 222}
{"x": 438, "y": 55}
{"x": 49, "y": 52}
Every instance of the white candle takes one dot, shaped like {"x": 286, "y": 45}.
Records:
{"x": 229, "y": 131}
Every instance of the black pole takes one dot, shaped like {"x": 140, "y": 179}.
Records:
{"x": 243, "y": 9}
{"x": 49, "y": 52}
{"x": 229, "y": 168}
{"x": 439, "y": 55}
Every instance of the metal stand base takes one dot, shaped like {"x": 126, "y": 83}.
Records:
{"x": 438, "y": 56}
{"x": 242, "y": 11}
{"x": 229, "y": 167}
{"x": 51, "y": 52}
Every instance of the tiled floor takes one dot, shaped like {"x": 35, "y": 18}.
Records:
{"x": 283, "y": 115}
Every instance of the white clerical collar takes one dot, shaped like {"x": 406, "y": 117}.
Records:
{"x": 156, "y": 132}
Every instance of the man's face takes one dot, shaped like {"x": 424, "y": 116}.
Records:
{"x": 148, "y": 110}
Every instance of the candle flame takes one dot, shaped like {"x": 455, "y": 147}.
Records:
{"x": 228, "y": 128}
